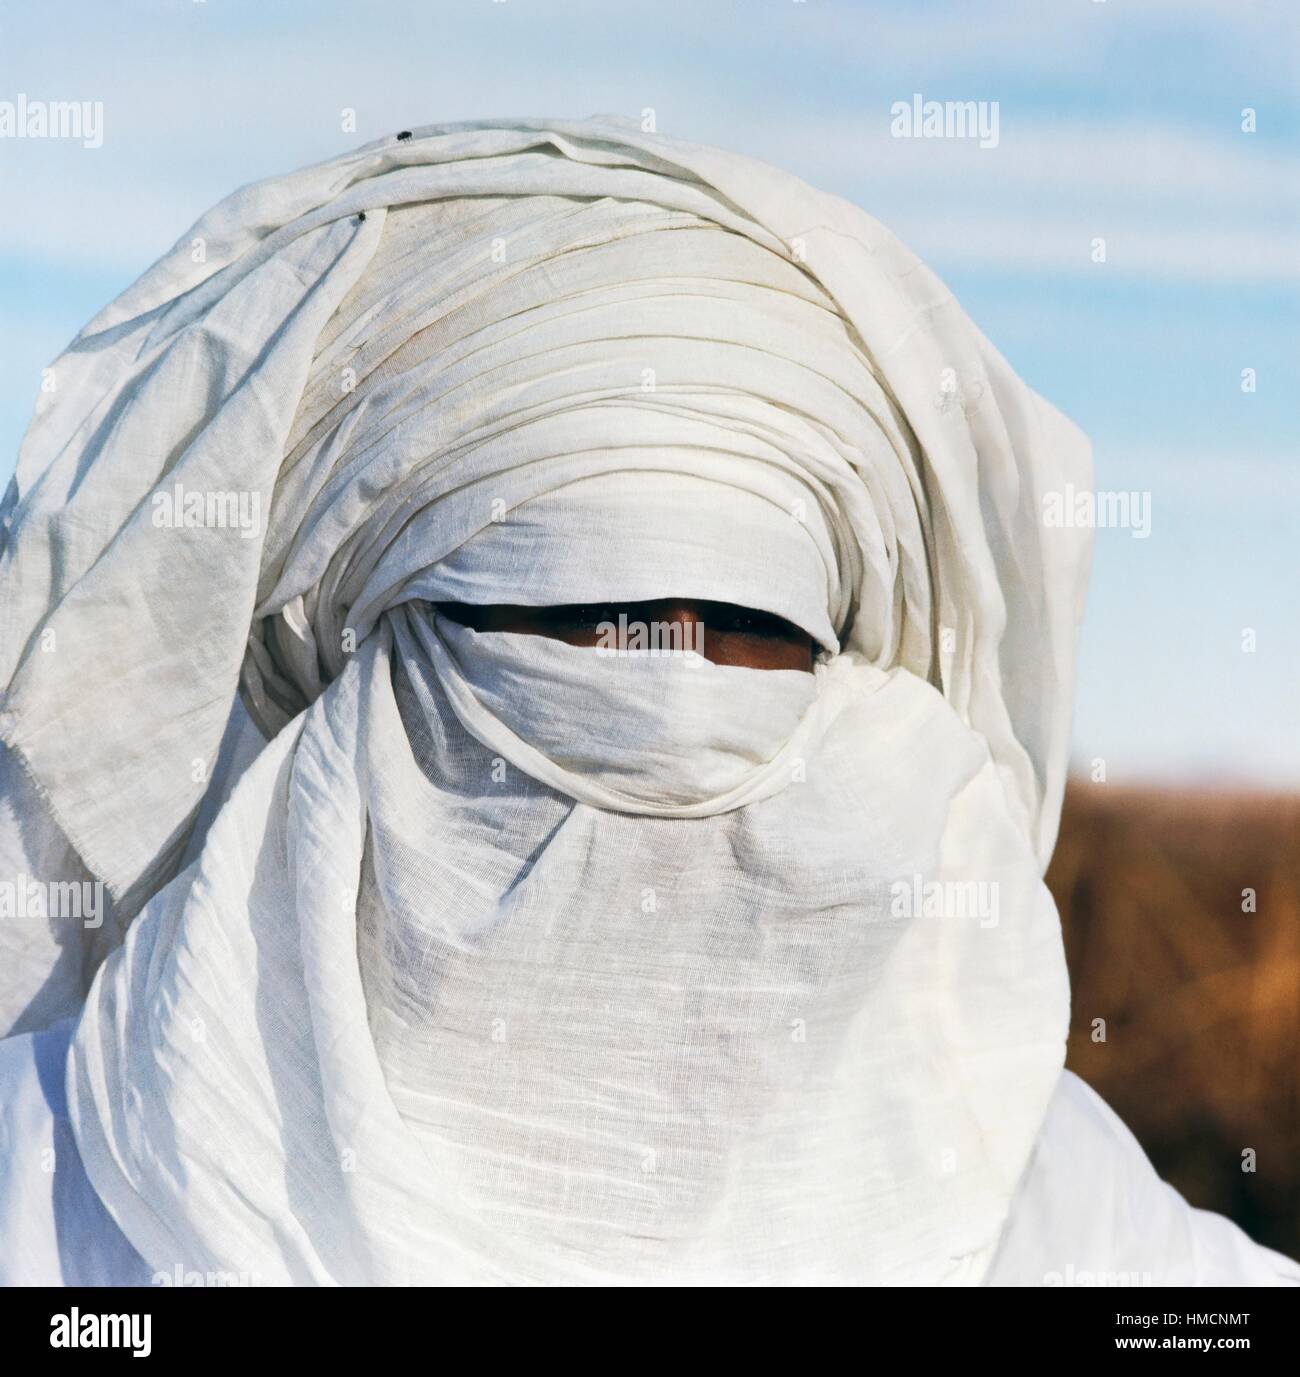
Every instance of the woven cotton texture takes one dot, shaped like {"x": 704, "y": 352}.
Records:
{"x": 504, "y": 960}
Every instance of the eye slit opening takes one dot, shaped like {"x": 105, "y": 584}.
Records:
{"x": 716, "y": 616}
{"x": 731, "y": 634}
{"x": 581, "y": 616}
{"x": 748, "y": 621}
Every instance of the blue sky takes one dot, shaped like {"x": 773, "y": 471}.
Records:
{"x": 1119, "y": 120}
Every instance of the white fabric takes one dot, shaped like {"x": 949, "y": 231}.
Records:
{"x": 655, "y": 735}
{"x": 54, "y": 1229}
{"x": 46, "y": 962}
{"x": 499, "y": 351}
{"x": 599, "y": 1046}
{"x": 505, "y": 961}
{"x": 1090, "y": 1211}
{"x": 620, "y": 531}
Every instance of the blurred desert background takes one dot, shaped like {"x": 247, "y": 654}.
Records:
{"x": 1201, "y": 1000}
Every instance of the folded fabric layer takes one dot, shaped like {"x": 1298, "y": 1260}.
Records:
{"x": 638, "y": 536}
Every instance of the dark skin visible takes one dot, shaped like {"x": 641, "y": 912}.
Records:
{"x": 732, "y": 635}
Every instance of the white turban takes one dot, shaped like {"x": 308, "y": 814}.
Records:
{"x": 504, "y": 961}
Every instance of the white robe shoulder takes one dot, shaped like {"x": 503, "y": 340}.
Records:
{"x": 1091, "y": 1211}
{"x": 54, "y": 1231}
